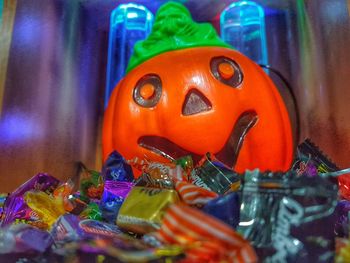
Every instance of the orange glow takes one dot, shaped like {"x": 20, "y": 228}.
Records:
{"x": 226, "y": 70}
{"x": 215, "y": 108}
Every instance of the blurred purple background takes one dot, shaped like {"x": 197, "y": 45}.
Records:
{"x": 53, "y": 57}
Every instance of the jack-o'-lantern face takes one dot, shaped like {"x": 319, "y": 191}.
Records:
{"x": 199, "y": 100}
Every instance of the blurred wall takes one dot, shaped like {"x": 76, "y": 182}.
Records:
{"x": 51, "y": 106}
{"x": 52, "y": 78}
{"x": 323, "y": 75}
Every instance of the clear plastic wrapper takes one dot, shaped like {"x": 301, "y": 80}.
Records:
{"x": 215, "y": 176}
{"x": 281, "y": 215}
{"x": 24, "y": 238}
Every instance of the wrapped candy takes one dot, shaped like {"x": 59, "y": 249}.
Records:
{"x": 163, "y": 175}
{"x": 341, "y": 228}
{"x": 342, "y": 251}
{"x": 226, "y": 208}
{"x": 156, "y": 175}
{"x": 344, "y": 185}
{"x": 15, "y": 208}
{"x": 91, "y": 184}
{"x": 2, "y": 202}
{"x": 64, "y": 191}
{"x": 23, "y": 238}
{"x": 48, "y": 207}
{"x": 92, "y": 211}
{"x": 194, "y": 195}
{"x": 123, "y": 249}
{"x": 165, "y": 172}
{"x": 203, "y": 237}
{"x": 215, "y": 176}
{"x": 186, "y": 163}
{"x": 112, "y": 198}
{"x": 71, "y": 228}
{"x": 147, "y": 180}
{"x": 281, "y": 215}
{"x": 143, "y": 209}
{"x": 311, "y": 160}
{"x": 117, "y": 169}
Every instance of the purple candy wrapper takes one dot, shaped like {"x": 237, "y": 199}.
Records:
{"x": 342, "y": 210}
{"x": 70, "y": 228}
{"x": 15, "y": 206}
{"x": 113, "y": 197}
{"x": 24, "y": 238}
{"x": 125, "y": 249}
{"x": 117, "y": 169}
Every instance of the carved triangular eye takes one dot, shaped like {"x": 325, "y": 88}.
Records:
{"x": 195, "y": 102}
{"x": 226, "y": 71}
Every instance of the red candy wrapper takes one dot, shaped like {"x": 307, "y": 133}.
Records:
{"x": 344, "y": 186}
{"x": 194, "y": 195}
{"x": 64, "y": 191}
{"x": 206, "y": 238}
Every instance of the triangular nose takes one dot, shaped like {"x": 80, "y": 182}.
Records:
{"x": 195, "y": 102}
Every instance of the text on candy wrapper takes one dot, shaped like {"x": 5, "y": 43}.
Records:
{"x": 290, "y": 213}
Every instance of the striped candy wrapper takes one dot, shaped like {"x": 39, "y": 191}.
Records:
{"x": 206, "y": 239}
{"x": 194, "y": 195}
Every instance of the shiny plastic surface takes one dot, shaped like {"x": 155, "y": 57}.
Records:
{"x": 268, "y": 145}
{"x": 242, "y": 25}
{"x": 53, "y": 77}
{"x": 129, "y": 23}
{"x": 174, "y": 29}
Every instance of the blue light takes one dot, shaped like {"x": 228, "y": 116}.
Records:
{"x": 129, "y": 23}
{"x": 1, "y": 10}
{"x": 243, "y": 26}
{"x": 17, "y": 127}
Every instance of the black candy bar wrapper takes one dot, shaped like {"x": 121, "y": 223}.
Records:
{"x": 281, "y": 215}
{"x": 310, "y": 160}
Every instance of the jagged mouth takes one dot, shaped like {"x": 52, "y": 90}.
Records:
{"x": 228, "y": 154}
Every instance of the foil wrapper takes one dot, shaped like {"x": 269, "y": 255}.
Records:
{"x": 15, "y": 208}
{"x": 215, "y": 176}
{"x": 117, "y": 169}
{"x": 113, "y": 197}
{"x": 144, "y": 207}
{"x": 281, "y": 215}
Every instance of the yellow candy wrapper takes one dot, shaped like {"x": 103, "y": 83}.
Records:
{"x": 144, "y": 208}
{"x": 46, "y": 206}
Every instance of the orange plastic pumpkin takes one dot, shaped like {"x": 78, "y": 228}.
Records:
{"x": 197, "y": 100}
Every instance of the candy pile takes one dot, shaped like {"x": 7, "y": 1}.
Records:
{"x": 181, "y": 212}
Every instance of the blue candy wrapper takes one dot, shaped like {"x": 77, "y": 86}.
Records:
{"x": 117, "y": 169}
{"x": 112, "y": 199}
{"x": 225, "y": 208}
